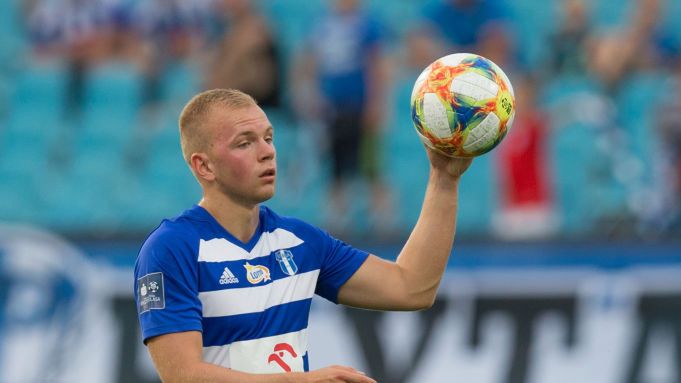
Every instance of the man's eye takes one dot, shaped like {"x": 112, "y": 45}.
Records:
{"x": 243, "y": 144}
{"x": 269, "y": 140}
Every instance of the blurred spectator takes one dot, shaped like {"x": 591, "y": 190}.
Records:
{"x": 609, "y": 55}
{"x": 422, "y": 48}
{"x": 246, "y": 56}
{"x": 568, "y": 45}
{"x": 496, "y": 42}
{"x": 82, "y": 32}
{"x": 175, "y": 32}
{"x": 460, "y": 22}
{"x": 602, "y": 67}
{"x": 526, "y": 208}
{"x": 345, "y": 63}
{"x": 615, "y": 54}
{"x": 177, "y": 29}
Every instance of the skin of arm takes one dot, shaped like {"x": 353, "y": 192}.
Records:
{"x": 178, "y": 358}
{"x": 411, "y": 282}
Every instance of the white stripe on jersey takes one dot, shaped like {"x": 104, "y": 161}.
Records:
{"x": 220, "y": 250}
{"x": 255, "y": 299}
{"x": 257, "y": 355}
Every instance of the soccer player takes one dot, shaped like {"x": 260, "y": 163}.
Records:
{"x": 223, "y": 290}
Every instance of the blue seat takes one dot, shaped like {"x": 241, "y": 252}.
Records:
{"x": 637, "y": 103}
{"x": 22, "y": 179}
{"x": 20, "y": 184}
{"x": 12, "y": 34}
{"x": 575, "y": 162}
{"x": 179, "y": 82}
{"x": 111, "y": 107}
{"x": 41, "y": 83}
{"x": 35, "y": 110}
{"x": 562, "y": 87}
{"x": 112, "y": 100}
{"x": 169, "y": 178}
{"x": 114, "y": 85}
{"x": 477, "y": 196}
{"x": 85, "y": 195}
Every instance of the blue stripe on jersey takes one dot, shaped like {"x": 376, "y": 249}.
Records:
{"x": 277, "y": 320}
{"x": 306, "y": 363}
{"x": 210, "y": 273}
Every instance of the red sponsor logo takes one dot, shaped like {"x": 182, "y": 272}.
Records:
{"x": 280, "y": 351}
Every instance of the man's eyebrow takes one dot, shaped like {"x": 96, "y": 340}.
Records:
{"x": 269, "y": 130}
{"x": 245, "y": 133}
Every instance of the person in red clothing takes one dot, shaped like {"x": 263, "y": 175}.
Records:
{"x": 526, "y": 208}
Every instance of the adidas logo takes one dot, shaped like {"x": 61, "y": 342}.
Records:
{"x": 227, "y": 277}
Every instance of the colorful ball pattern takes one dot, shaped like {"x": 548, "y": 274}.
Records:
{"x": 462, "y": 105}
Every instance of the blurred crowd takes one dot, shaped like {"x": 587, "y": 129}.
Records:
{"x": 229, "y": 38}
{"x": 595, "y": 148}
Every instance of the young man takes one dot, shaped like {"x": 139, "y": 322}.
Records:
{"x": 223, "y": 291}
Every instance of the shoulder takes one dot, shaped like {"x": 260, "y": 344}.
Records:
{"x": 173, "y": 230}
{"x": 176, "y": 236}
{"x": 300, "y": 228}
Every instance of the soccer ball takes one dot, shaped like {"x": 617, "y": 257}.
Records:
{"x": 462, "y": 105}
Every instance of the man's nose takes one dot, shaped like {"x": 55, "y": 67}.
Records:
{"x": 267, "y": 151}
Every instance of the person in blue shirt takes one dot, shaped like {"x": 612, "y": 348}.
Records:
{"x": 345, "y": 68}
{"x": 223, "y": 290}
{"x": 460, "y": 22}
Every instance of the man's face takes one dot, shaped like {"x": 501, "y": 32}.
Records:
{"x": 242, "y": 154}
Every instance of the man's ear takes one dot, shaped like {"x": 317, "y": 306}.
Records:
{"x": 202, "y": 166}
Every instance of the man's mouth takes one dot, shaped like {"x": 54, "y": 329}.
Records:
{"x": 268, "y": 173}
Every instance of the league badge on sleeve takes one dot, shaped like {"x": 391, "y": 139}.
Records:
{"x": 150, "y": 292}
{"x": 285, "y": 259}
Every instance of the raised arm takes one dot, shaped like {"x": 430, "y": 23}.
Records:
{"x": 411, "y": 282}
{"x": 177, "y": 357}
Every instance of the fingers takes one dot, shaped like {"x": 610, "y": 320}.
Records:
{"x": 355, "y": 376}
{"x": 361, "y": 378}
{"x": 349, "y": 375}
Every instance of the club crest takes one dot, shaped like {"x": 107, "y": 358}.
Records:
{"x": 285, "y": 259}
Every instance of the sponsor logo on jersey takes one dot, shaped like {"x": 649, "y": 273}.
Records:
{"x": 228, "y": 277}
{"x": 256, "y": 274}
{"x": 286, "y": 262}
{"x": 151, "y": 294}
{"x": 282, "y": 351}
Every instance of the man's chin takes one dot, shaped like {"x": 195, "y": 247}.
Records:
{"x": 266, "y": 195}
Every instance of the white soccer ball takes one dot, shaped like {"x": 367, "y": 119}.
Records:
{"x": 462, "y": 105}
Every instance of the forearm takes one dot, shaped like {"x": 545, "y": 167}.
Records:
{"x": 424, "y": 257}
{"x": 209, "y": 373}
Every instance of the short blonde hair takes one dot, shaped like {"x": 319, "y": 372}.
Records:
{"x": 193, "y": 116}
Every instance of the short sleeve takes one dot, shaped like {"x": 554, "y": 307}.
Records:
{"x": 339, "y": 261}
{"x": 166, "y": 285}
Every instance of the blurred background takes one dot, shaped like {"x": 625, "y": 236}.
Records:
{"x": 567, "y": 264}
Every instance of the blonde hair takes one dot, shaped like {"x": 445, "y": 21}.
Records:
{"x": 194, "y": 114}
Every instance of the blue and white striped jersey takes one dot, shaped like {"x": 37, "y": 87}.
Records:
{"x": 250, "y": 300}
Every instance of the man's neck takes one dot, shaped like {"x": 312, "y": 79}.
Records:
{"x": 239, "y": 220}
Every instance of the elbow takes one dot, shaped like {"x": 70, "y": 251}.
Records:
{"x": 423, "y": 302}
{"x": 428, "y": 303}
{"x": 183, "y": 374}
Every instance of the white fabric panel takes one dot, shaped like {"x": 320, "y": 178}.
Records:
{"x": 274, "y": 354}
{"x": 258, "y": 298}
{"x": 221, "y": 250}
